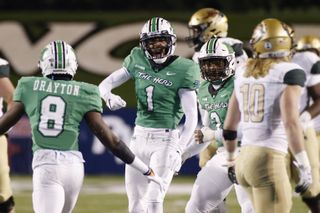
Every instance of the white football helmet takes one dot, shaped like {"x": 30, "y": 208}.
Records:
{"x": 217, "y": 61}
{"x": 157, "y": 30}
{"x": 58, "y": 58}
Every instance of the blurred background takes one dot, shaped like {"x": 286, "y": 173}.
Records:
{"x": 102, "y": 34}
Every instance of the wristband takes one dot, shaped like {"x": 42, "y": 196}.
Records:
{"x": 140, "y": 166}
{"x": 231, "y": 156}
{"x": 229, "y": 134}
{"x": 208, "y": 133}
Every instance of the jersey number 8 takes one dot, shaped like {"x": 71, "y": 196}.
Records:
{"x": 52, "y": 116}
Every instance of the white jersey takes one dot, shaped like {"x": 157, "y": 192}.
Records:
{"x": 259, "y": 104}
{"x": 4, "y": 71}
{"x": 306, "y": 60}
{"x": 310, "y": 62}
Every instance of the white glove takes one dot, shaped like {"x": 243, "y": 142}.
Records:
{"x": 305, "y": 178}
{"x": 209, "y": 134}
{"x": 114, "y": 102}
{"x": 306, "y": 120}
{"x": 155, "y": 178}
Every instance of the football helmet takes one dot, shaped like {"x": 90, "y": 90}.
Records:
{"x": 309, "y": 42}
{"x": 58, "y": 58}
{"x": 272, "y": 38}
{"x": 217, "y": 61}
{"x": 206, "y": 23}
{"x": 157, "y": 39}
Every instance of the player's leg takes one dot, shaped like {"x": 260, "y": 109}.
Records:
{"x": 267, "y": 175}
{"x": 211, "y": 186}
{"x": 73, "y": 175}
{"x": 243, "y": 199}
{"x": 207, "y": 154}
{"x": 6, "y": 198}
{"x": 135, "y": 182}
{"x": 165, "y": 160}
{"x": 48, "y": 193}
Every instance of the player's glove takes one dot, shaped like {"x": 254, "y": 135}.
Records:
{"x": 305, "y": 178}
{"x": 114, "y": 102}
{"x": 155, "y": 178}
{"x": 207, "y": 134}
{"x": 232, "y": 175}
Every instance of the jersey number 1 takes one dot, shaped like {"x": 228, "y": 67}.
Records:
{"x": 52, "y": 116}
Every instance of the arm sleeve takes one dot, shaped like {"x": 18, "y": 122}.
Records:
{"x": 189, "y": 106}
{"x": 114, "y": 80}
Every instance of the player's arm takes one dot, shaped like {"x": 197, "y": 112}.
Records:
{"x": 290, "y": 117}
{"x": 118, "y": 147}
{"x": 114, "y": 80}
{"x": 314, "y": 108}
{"x": 188, "y": 100}
{"x": 11, "y": 117}
{"x": 6, "y": 90}
{"x": 230, "y": 127}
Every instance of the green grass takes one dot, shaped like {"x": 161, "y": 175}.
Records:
{"x": 98, "y": 199}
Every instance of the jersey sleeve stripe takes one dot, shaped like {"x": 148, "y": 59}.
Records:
{"x": 295, "y": 77}
{"x": 315, "y": 69}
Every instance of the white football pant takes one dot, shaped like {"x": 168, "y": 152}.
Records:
{"x": 56, "y": 186}
{"x": 213, "y": 185}
{"x": 158, "y": 149}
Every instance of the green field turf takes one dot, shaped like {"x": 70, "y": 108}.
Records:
{"x": 98, "y": 195}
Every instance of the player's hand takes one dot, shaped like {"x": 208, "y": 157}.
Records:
{"x": 198, "y": 136}
{"x": 114, "y": 102}
{"x": 305, "y": 178}
{"x": 152, "y": 176}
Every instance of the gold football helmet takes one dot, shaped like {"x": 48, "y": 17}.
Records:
{"x": 272, "y": 38}
{"x": 206, "y": 23}
{"x": 309, "y": 42}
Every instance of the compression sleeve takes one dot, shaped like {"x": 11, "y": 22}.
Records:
{"x": 114, "y": 80}
{"x": 189, "y": 106}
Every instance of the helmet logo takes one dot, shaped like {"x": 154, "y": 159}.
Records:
{"x": 268, "y": 45}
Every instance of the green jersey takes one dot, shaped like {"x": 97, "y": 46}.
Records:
{"x": 55, "y": 109}
{"x": 215, "y": 102}
{"x": 158, "y": 102}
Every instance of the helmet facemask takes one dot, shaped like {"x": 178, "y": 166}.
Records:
{"x": 157, "y": 40}
{"x": 215, "y": 69}
{"x": 157, "y": 47}
{"x": 196, "y": 37}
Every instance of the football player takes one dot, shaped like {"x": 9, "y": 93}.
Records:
{"x": 205, "y": 24}
{"x": 6, "y": 93}
{"x": 265, "y": 99}
{"x": 165, "y": 87}
{"x": 55, "y": 105}
{"x": 217, "y": 64}
{"x": 306, "y": 56}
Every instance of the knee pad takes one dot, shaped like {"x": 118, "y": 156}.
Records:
{"x": 7, "y": 206}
